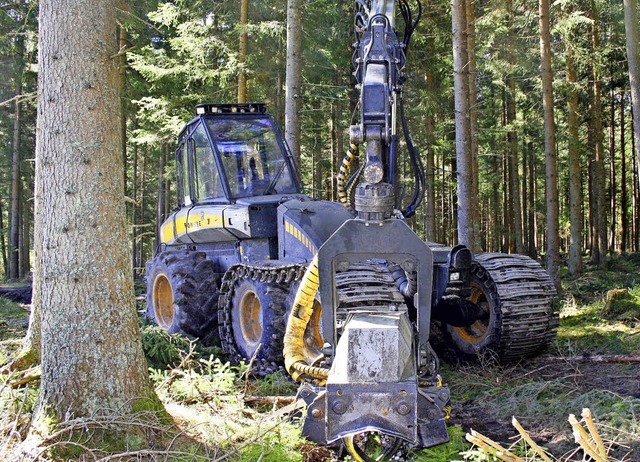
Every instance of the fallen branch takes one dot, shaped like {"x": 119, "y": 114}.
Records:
{"x": 586, "y": 436}
{"x": 596, "y": 358}
{"x": 588, "y": 418}
{"x": 538, "y": 450}
{"x": 491, "y": 447}
{"x": 583, "y": 439}
{"x": 247, "y": 372}
{"x": 29, "y": 375}
{"x": 273, "y": 400}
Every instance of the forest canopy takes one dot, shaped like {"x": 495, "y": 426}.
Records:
{"x": 178, "y": 54}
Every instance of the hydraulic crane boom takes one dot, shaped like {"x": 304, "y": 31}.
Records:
{"x": 379, "y": 373}
{"x": 379, "y": 61}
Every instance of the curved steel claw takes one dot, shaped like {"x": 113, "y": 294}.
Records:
{"x": 371, "y": 446}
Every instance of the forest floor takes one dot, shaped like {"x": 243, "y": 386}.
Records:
{"x": 593, "y": 364}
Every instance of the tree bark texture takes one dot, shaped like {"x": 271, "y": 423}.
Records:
{"x": 242, "y": 52}
{"x": 624, "y": 200}
{"x": 293, "y": 77}
{"x": 92, "y": 357}
{"x": 473, "y": 95}
{"x": 633, "y": 59}
{"x": 575, "y": 170}
{"x": 430, "y": 210}
{"x": 599, "y": 183}
{"x": 15, "y": 218}
{"x": 467, "y": 204}
{"x": 551, "y": 158}
{"x": 3, "y": 243}
{"x": 512, "y": 135}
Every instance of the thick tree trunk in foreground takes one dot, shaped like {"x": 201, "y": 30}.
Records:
{"x": 293, "y": 77}
{"x": 551, "y": 158}
{"x": 92, "y": 358}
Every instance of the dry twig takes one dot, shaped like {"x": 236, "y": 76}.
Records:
{"x": 525, "y": 435}
{"x": 491, "y": 447}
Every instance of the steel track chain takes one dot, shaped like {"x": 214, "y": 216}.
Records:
{"x": 524, "y": 293}
{"x": 365, "y": 285}
{"x": 279, "y": 275}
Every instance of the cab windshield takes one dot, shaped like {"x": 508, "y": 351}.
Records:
{"x": 251, "y": 157}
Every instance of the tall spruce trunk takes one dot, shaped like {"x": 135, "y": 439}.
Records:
{"x": 293, "y": 77}
{"x": 633, "y": 59}
{"x": 430, "y": 209}
{"x": 467, "y": 204}
{"x": 575, "y": 171}
{"x": 613, "y": 188}
{"x": 3, "y": 243}
{"x": 624, "y": 200}
{"x": 92, "y": 356}
{"x": 599, "y": 183}
{"x": 473, "y": 101}
{"x": 551, "y": 158}
{"x": 15, "y": 217}
{"x": 514, "y": 177}
{"x": 242, "y": 51}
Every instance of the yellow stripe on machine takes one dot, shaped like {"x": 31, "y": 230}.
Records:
{"x": 194, "y": 221}
{"x": 166, "y": 232}
{"x": 294, "y": 231}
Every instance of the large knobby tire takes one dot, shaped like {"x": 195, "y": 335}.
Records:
{"x": 257, "y": 317}
{"x": 516, "y": 295}
{"x": 252, "y": 320}
{"x": 182, "y": 294}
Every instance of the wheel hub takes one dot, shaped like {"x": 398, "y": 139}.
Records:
{"x": 163, "y": 301}
{"x": 476, "y": 331}
{"x": 250, "y": 318}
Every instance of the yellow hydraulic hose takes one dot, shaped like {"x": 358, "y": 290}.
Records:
{"x": 294, "y": 360}
{"x": 342, "y": 175}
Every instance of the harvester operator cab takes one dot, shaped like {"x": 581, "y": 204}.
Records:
{"x": 233, "y": 151}
{"x": 233, "y": 170}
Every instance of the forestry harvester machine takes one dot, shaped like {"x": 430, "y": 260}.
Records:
{"x": 342, "y": 296}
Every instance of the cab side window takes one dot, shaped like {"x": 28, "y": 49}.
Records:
{"x": 182, "y": 173}
{"x": 206, "y": 178}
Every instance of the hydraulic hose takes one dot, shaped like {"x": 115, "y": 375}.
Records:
{"x": 406, "y": 282}
{"x": 294, "y": 360}
{"x": 416, "y": 165}
{"x": 343, "y": 195}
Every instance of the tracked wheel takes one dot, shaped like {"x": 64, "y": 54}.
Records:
{"x": 182, "y": 294}
{"x": 252, "y": 308}
{"x": 516, "y": 295}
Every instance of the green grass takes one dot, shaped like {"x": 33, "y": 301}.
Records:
{"x": 9, "y": 310}
{"x": 206, "y": 396}
{"x": 588, "y": 324}
{"x": 11, "y": 329}
{"x": 444, "y": 452}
